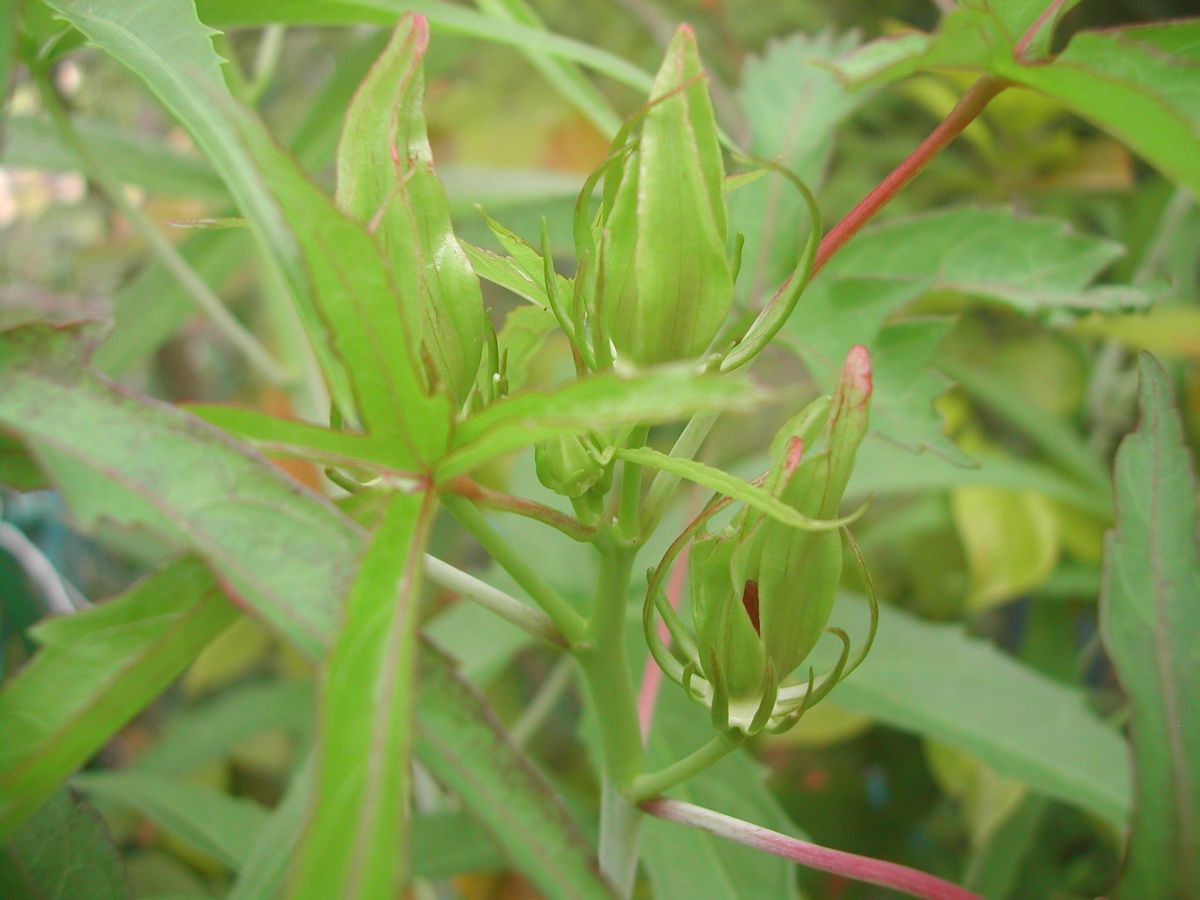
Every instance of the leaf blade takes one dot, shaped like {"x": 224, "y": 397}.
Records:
{"x": 1148, "y": 618}
{"x": 356, "y": 839}
{"x": 95, "y": 672}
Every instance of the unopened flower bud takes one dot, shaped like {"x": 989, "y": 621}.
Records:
{"x": 569, "y": 466}
{"x": 763, "y": 591}
{"x": 664, "y": 284}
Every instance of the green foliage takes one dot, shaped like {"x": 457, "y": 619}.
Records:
{"x": 364, "y": 743}
{"x": 190, "y": 485}
{"x": 940, "y": 682}
{"x": 97, "y": 671}
{"x": 1151, "y": 581}
{"x": 62, "y": 851}
{"x": 364, "y": 732}
{"x": 205, "y": 818}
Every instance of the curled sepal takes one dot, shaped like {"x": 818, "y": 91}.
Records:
{"x": 783, "y": 302}
{"x": 763, "y": 590}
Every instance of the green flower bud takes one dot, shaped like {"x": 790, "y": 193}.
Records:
{"x": 570, "y": 466}
{"x": 664, "y": 284}
{"x": 387, "y": 181}
{"x": 763, "y": 591}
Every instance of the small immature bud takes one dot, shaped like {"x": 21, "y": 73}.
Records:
{"x": 568, "y": 466}
{"x": 763, "y": 591}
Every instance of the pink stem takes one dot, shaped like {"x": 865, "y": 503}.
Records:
{"x": 850, "y": 865}
{"x": 652, "y": 676}
{"x": 965, "y": 111}
{"x": 969, "y": 106}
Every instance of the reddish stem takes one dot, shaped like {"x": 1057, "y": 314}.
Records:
{"x": 850, "y": 865}
{"x": 965, "y": 111}
{"x": 464, "y": 486}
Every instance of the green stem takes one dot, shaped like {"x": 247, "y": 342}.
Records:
{"x": 208, "y": 302}
{"x": 620, "y": 832}
{"x": 266, "y": 61}
{"x": 654, "y": 783}
{"x": 532, "y": 621}
{"x": 605, "y": 666}
{"x": 544, "y": 701}
{"x": 631, "y": 490}
{"x": 663, "y": 484}
{"x": 569, "y": 622}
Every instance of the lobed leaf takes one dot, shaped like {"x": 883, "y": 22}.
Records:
{"x": 1138, "y": 82}
{"x": 291, "y": 437}
{"x": 1030, "y": 263}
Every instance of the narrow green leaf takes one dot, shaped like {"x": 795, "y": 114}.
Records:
{"x": 62, "y": 852}
{"x": 729, "y": 485}
{"x": 529, "y": 260}
{"x": 199, "y": 735}
{"x": 171, "y": 51}
{"x": 560, "y": 73}
{"x": 34, "y": 142}
{"x": 97, "y": 670}
{"x": 152, "y": 307}
{"x": 356, "y": 841}
{"x": 507, "y": 273}
{"x": 464, "y": 746}
{"x": 937, "y": 681}
{"x": 386, "y": 179}
{"x": 443, "y": 845}
{"x": 205, "y": 818}
{"x": 291, "y": 437}
{"x": 599, "y": 401}
{"x": 282, "y": 548}
{"x": 1150, "y": 621}
{"x": 448, "y": 17}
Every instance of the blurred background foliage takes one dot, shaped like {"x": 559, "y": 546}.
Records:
{"x": 1016, "y": 563}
